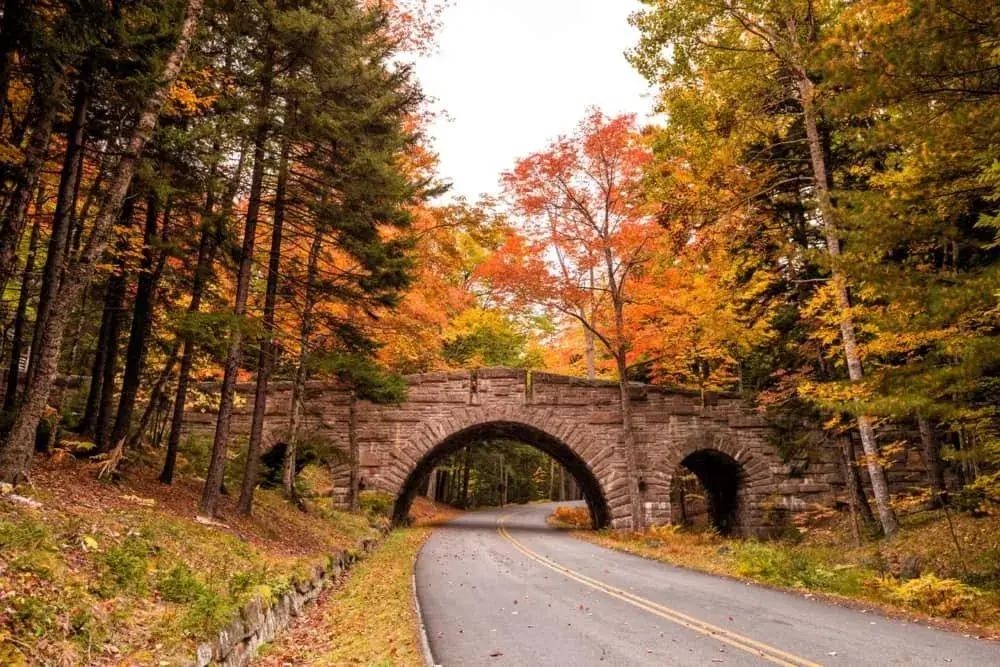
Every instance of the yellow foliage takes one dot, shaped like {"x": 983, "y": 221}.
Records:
{"x": 944, "y": 597}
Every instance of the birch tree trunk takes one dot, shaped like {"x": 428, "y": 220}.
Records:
{"x": 880, "y": 486}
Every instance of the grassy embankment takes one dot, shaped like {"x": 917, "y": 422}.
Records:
{"x": 921, "y": 572}
{"x": 371, "y": 619}
{"x": 103, "y": 573}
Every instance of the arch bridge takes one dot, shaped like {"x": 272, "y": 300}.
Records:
{"x": 747, "y": 488}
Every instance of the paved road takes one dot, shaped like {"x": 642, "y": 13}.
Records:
{"x": 501, "y": 588}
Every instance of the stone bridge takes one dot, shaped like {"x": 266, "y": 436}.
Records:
{"x": 578, "y": 422}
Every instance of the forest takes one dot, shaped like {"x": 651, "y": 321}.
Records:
{"x": 224, "y": 192}
{"x": 203, "y": 200}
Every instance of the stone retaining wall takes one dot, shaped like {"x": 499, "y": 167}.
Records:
{"x": 259, "y": 622}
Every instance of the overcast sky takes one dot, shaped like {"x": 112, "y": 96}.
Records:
{"x": 513, "y": 74}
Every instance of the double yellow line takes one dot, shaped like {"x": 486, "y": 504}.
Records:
{"x": 752, "y": 646}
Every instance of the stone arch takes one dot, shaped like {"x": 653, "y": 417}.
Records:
{"x": 736, "y": 477}
{"x": 594, "y": 464}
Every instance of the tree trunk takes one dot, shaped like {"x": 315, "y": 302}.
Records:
{"x": 466, "y": 465}
{"x": 861, "y": 511}
{"x": 552, "y": 479}
{"x": 628, "y": 435}
{"x": 562, "y": 484}
{"x": 932, "y": 460}
{"x": 354, "y": 480}
{"x": 156, "y": 397}
{"x": 880, "y": 486}
{"x": 305, "y": 335}
{"x": 15, "y": 451}
{"x": 17, "y": 342}
{"x": 444, "y": 481}
{"x": 88, "y": 423}
{"x": 432, "y": 485}
{"x": 503, "y": 481}
{"x": 142, "y": 318}
{"x": 115, "y": 304}
{"x": 177, "y": 418}
{"x": 217, "y": 464}
{"x": 588, "y": 339}
{"x": 62, "y": 219}
{"x": 15, "y": 215}
{"x": 211, "y": 234}
{"x": 265, "y": 358}
{"x": 12, "y": 29}
{"x": 682, "y": 500}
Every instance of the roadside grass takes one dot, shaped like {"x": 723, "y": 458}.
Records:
{"x": 370, "y": 619}
{"x": 120, "y": 573}
{"x": 920, "y": 572}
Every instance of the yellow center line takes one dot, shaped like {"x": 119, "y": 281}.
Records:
{"x": 752, "y": 646}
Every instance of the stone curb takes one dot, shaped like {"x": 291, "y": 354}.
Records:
{"x": 258, "y": 622}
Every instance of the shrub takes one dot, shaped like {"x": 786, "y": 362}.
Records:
{"x": 179, "y": 584}
{"x": 572, "y": 517}
{"x": 32, "y": 546}
{"x": 947, "y": 597}
{"x": 27, "y": 535}
{"x": 86, "y": 630}
{"x": 768, "y": 562}
{"x": 34, "y": 615}
{"x": 377, "y": 503}
{"x": 790, "y": 566}
{"x": 208, "y": 613}
{"x": 124, "y": 568}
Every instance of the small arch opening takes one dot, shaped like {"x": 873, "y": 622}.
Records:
{"x": 477, "y": 435}
{"x": 706, "y": 491}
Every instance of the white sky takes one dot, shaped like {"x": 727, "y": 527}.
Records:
{"x": 513, "y": 74}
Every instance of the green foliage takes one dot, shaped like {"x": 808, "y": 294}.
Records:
{"x": 525, "y": 468}
{"x": 785, "y": 565}
{"x": 33, "y": 615}
{"x": 369, "y": 381}
{"x": 124, "y": 568}
{"x": 179, "y": 584}
{"x": 488, "y": 338}
{"x": 208, "y": 612}
{"x": 26, "y": 535}
{"x": 376, "y": 503}
{"x": 31, "y": 547}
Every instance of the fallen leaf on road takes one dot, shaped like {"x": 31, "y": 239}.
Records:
{"x": 496, "y": 654}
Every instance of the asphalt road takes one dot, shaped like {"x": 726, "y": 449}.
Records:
{"x": 502, "y": 588}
